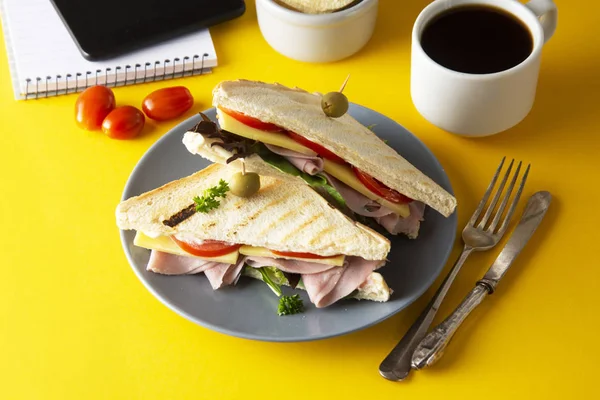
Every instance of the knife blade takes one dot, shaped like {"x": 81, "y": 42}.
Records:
{"x": 532, "y": 216}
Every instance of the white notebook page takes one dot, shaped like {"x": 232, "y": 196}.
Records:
{"x": 41, "y": 49}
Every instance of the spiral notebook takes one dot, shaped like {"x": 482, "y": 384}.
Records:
{"x": 44, "y": 60}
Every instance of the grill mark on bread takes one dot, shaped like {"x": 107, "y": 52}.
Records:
{"x": 283, "y": 216}
{"x": 252, "y": 217}
{"x": 344, "y": 239}
{"x": 269, "y": 186}
{"x": 211, "y": 224}
{"x": 239, "y": 204}
{"x": 269, "y": 227}
{"x": 319, "y": 234}
{"x": 302, "y": 225}
{"x": 180, "y": 216}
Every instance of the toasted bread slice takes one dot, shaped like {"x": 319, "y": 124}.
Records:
{"x": 299, "y": 111}
{"x": 283, "y": 216}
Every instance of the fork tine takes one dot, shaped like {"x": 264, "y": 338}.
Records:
{"x": 484, "y": 200}
{"x": 490, "y": 209}
{"x": 513, "y": 206}
{"x": 496, "y": 219}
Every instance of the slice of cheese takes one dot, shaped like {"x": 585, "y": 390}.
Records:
{"x": 342, "y": 172}
{"x": 345, "y": 174}
{"x": 231, "y": 124}
{"x": 167, "y": 245}
{"x": 336, "y": 261}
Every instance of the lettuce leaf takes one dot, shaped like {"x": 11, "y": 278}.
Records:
{"x": 274, "y": 274}
{"x": 317, "y": 182}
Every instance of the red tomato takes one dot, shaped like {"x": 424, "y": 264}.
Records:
{"x": 317, "y": 148}
{"x": 123, "y": 122}
{"x": 252, "y": 122}
{"x": 379, "y": 188}
{"x": 264, "y": 126}
{"x": 92, "y": 106}
{"x": 208, "y": 248}
{"x": 298, "y": 255}
{"x": 167, "y": 103}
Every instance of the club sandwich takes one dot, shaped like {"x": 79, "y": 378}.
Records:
{"x": 283, "y": 132}
{"x": 285, "y": 233}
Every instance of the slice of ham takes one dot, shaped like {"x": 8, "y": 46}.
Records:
{"x": 224, "y": 274}
{"x": 322, "y": 292}
{"x": 218, "y": 274}
{"x": 312, "y": 165}
{"x": 171, "y": 264}
{"x": 320, "y": 285}
{"x": 409, "y": 225}
{"x": 325, "y": 284}
{"x": 392, "y": 222}
{"x": 291, "y": 266}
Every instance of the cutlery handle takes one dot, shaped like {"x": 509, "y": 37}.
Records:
{"x": 432, "y": 347}
{"x": 397, "y": 365}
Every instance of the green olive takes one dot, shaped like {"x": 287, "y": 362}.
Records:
{"x": 244, "y": 185}
{"x": 334, "y": 104}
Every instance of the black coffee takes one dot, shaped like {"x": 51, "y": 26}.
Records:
{"x": 477, "y": 40}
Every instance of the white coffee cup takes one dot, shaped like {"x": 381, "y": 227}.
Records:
{"x": 479, "y": 104}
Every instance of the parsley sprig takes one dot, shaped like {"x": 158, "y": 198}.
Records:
{"x": 208, "y": 200}
{"x": 289, "y": 305}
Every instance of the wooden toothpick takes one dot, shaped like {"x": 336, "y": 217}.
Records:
{"x": 344, "y": 84}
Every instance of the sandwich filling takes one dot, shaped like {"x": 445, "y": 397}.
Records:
{"x": 351, "y": 190}
{"x": 326, "y": 279}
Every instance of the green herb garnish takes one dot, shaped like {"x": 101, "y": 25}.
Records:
{"x": 289, "y": 305}
{"x": 208, "y": 200}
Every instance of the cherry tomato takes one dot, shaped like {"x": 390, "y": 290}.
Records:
{"x": 299, "y": 255}
{"x": 123, "y": 122}
{"x": 252, "y": 122}
{"x": 167, "y": 103}
{"x": 317, "y": 148}
{"x": 379, "y": 188}
{"x": 92, "y": 106}
{"x": 208, "y": 248}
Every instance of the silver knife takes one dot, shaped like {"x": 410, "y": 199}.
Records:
{"x": 432, "y": 346}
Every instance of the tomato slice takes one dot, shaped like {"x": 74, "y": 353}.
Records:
{"x": 379, "y": 188}
{"x": 317, "y": 148}
{"x": 252, "y": 122}
{"x": 265, "y": 126}
{"x": 208, "y": 248}
{"x": 299, "y": 255}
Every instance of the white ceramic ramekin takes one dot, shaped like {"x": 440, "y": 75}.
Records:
{"x": 317, "y": 37}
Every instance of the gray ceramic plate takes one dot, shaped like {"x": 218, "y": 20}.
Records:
{"x": 248, "y": 309}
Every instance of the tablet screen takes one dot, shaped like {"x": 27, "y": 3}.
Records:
{"x": 108, "y": 28}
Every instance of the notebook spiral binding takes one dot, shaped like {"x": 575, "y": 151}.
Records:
{"x": 149, "y": 72}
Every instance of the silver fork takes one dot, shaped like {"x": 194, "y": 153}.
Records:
{"x": 480, "y": 234}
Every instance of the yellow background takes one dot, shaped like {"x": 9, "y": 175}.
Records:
{"x": 75, "y": 322}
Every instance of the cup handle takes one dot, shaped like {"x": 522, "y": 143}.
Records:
{"x": 547, "y": 12}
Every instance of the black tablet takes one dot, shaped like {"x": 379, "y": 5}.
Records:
{"x": 108, "y": 28}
